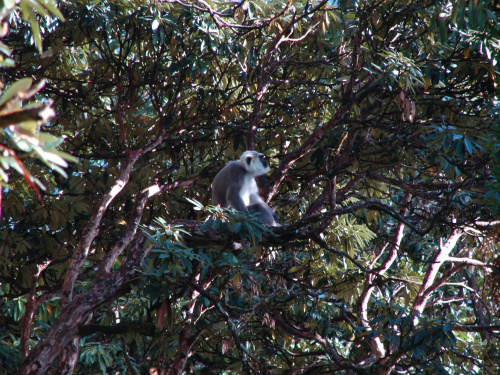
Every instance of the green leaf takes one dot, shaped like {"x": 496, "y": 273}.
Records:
{"x": 51, "y": 6}
{"x": 472, "y": 14}
{"x": 15, "y": 89}
{"x": 197, "y": 205}
{"x": 28, "y": 14}
{"x": 206, "y": 225}
{"x": 38, "y": 7}
{"x": 236, "y": 227}
{"x": 461, "y": 14}
{"x": 442, "y": 30}
{"x": 5, "y": 49}
{"x": 469, "y": 146}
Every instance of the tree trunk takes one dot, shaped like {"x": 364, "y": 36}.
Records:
{"x": 68, "y": 358}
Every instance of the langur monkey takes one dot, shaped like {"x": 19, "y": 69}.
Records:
{"x": 234, "y": 186}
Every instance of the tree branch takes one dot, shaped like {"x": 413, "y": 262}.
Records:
{"x": 65, "y": 327}
{"x": 440, "y": 258}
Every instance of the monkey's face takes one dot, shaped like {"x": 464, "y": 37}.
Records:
{"x": 255, "y": 163}
{"x": 263, "y": 161}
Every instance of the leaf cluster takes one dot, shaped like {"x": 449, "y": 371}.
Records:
{"x": 378, "y": 120}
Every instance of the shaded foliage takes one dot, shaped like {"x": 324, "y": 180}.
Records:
{"x": 378, "y": 119}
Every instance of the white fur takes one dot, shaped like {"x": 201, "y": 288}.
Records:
{"x": 249, "y": 188}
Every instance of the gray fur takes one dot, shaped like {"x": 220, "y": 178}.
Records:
{"x": 234, "y": 186}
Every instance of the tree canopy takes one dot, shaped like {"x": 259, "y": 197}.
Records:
{"x": 380, "y": 121}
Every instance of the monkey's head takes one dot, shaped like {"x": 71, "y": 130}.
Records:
{"x": 254, "y": 163}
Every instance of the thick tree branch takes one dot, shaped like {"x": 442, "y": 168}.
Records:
{"x": 31, "y": 305}
{"x": 65, "y": 327}
{"x": 439, "y": 259}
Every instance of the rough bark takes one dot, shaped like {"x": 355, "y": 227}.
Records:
{"x": 65, "y": 328}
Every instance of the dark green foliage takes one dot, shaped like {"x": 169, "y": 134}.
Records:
{"x": 380, "y": 123}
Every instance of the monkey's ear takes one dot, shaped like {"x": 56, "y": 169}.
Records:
{"x": 249, "y": 160}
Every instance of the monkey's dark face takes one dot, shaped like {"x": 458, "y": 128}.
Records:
{"x": 263, "y": 161}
